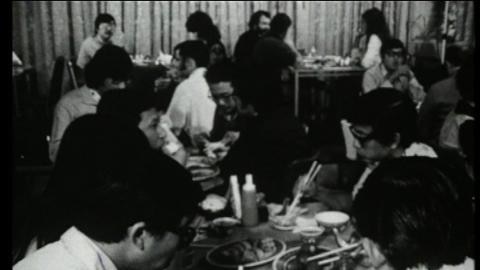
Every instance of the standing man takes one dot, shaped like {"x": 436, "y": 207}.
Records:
{"x": 105, "y": 27}
{"x": 109, "y": 69}
{"x": 243, "y": 55}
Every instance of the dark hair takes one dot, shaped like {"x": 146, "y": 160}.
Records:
{"x": 103, "y": 18}
{"x": 196, "y": 50}
{"x": 464, "y": 80}
{"x": 280, "y": 24}
{"x": 222, "y": 72}
{"x": 255, "y": 18}
{"x": 418, "y": 210}
{"x": 388, "y": 111}
{"x": 110, "y": 61}
{"x": 107, "y": 177}
{"x": 376, "y": 24}
{"x": 199, "y": 22}
{"x": 390, "y": 44}
{"x": 454, "y": 55}
{"x": 126, "y": 103}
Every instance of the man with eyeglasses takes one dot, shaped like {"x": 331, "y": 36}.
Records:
{"x": 393, "y": 72}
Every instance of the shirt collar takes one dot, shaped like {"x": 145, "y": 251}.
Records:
{"x": 83, "y": 248}
{"x": 198, "y": 72}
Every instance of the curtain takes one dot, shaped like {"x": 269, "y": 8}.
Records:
{"x": 44, "y": 30}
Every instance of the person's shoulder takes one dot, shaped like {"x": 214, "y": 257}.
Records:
{"x": 88, "y": 42}
{"x": 53, "y": 257}
{"x": 374, "y": 38}
{"x": 444, "y": 85}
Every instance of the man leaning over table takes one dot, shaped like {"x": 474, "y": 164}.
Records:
{"x": 192, "y": 108}
{"x": 105, "y": 33}
{"x": 108, "y": 70}
{"x": 392, "y": 72}
{"x": 116, "y": 215}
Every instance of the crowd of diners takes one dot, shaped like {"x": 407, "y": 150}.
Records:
{"x": 121, "y": 198}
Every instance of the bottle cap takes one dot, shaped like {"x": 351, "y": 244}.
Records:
{"x": 249, "y": 180}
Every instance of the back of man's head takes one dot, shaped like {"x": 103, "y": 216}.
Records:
{"x": 128, "y": 103}
{"x": 280, "y": 24}
{"x": 103, "y": 18}
{"x": 221, "y": 72}
{"x": 387, "y": 111}
{"x": 110, "y": 61}
{"x": 195, "y": 50}
{"x": 107, "y": 177}
{"x": 390, "y": 44}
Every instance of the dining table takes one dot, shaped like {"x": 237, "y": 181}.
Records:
{"x": 194, "y": 257}
{"x": 306, "y": 68}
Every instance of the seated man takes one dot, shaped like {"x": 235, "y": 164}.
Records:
{"x": 230, "y": 117}
{"x": 116, "y": 212}
{"x": 441, "y": 99}
{"x": 105, "y": 29}
{"x": 192, "y": 109}
{"x": 416, "y": 213}
{"x": 383, "y": 126}
{"x": 393, "y": 72}
{"x": 108, "y": 70}
{"x": 139, "y": 107}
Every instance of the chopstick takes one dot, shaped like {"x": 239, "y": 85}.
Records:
{"x": 327, "y": 261}
{"x": 335, "y": 251}
{"x": 312, "y": 173}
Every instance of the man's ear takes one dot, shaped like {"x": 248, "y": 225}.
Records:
{"x": 137, "y": 233}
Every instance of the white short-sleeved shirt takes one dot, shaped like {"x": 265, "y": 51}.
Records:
{"x": 192, "y": 108}
{"x": 372, "y": 55}
{"x": 74, "y": 251}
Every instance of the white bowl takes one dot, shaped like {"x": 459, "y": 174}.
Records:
{"x": 332, "y": 218}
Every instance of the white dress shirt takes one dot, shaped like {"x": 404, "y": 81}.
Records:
{"x": 74, "y": 251}
{"x": 192, "y": 108}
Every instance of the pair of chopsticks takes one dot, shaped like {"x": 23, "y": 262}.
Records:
{"x": 312, "y": 173}
{"x": 332, "y": 252}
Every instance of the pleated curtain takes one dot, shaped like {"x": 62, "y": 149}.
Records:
{"x": 44, "y": 30}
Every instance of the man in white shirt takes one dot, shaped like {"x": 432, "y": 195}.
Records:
{"x": 192, "y": 108}
{"x": 105, "y": 33}
{"x": 393, "y": 72}
{"x": 108, "y": 70}
{"x": 114, "y": 213}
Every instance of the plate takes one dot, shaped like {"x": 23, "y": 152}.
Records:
{"x": 216, "y": 257}
{"x": 284, "y": 260}
{"x": 332, "y": 218}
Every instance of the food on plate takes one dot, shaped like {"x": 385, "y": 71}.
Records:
{"x": 283, "y": 220}
{"x": 213, "y": 203}
{"x": 249, "y": 251}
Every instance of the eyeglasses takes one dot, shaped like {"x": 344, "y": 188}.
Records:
{"x": 222, "y": 97}
{"x": 397, "y": 54}
{"x": 361, "y": 138}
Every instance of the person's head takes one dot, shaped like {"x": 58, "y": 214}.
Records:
{"x": 464, "y": 81}
{"x": 414, "y": 212}
{"x": 259, "y": 21}
{"x": 138, "y": 107}
{"x": 393, "y": 54}
{"x": 121, "y": 197}
{"x": 219, "y": 78}
{"x": 373, "y": 22}
{"x": 192, "y": 54}
{"x": 200, "y": 27}
{"x": 384, "y": 123}
{"x": 109, "y": 69}
{"x": 105, "y": 26}
{"x": 453, "y": 58}
{"x": 280, "y": 24}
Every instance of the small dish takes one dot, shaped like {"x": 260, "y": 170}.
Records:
{"x": 332, "y": 219}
